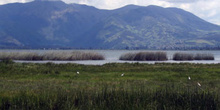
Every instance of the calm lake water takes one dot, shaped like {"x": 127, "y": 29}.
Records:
{"x": 112, "y": 56}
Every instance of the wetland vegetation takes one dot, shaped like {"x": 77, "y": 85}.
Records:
{"x": 145, "y": 56}
{"x": 190, "y": 56}
{"x": 51, "y": 55}
{"x": 143, "y": 86}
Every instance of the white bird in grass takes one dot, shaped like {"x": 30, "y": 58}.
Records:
{"x": 189, "y": 78}
{"x": 198, "y": 84}
{"x": 77, "y": 72}
{"x": 122, "y": 74}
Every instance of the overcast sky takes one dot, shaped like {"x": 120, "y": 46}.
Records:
{"x": 205, "y": 9}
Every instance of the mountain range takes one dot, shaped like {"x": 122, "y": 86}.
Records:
{"x": 55, "y": 24}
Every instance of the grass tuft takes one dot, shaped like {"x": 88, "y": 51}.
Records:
{"x": 7, "y": 61}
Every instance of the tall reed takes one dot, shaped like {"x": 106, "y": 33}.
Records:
{"x": 144, "y": 56}
{"x": 51, "y": 56}
{"x": 191, "y": 56}
{"x": 204, "y": 56}
{"x": 183, "y": 56}
{"x": 111, "y": 98}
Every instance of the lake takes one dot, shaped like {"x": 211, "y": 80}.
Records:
{"x": 112, "y": 56}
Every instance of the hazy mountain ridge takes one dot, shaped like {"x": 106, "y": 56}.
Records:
{"x": 56, "y": 24}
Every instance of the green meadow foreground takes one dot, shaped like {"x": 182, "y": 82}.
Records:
{"x": 111, "y": 86}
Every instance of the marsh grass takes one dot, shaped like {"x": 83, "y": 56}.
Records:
{"x": 144, "y": 56}
{"x": 109, "y": 97}
{"x": 51, "y": 56}
{"x": 204, "y": 57}
{"x": 144, "y": 86}
{"x": 183, "y": 56}
{"x": 190, "y": 56}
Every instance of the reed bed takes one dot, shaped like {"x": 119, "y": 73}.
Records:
{"x": 204, "y": 57}
{"x": 145, "y": 56}
{"x": 190, "y": 56}
{"x": 70, "y": 56}
{"x": 183, "y": 56}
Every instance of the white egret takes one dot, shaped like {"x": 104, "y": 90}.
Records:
{"x": 189, "y": 78}
{"x": 122, "y": 74}
{"x": 198, "y": 84}
{"x": 77, "y": 72}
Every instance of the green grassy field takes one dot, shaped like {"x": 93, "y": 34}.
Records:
{"x": 143, "y": 86}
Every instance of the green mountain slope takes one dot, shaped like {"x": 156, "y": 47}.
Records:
{"x": 56, "y": 24}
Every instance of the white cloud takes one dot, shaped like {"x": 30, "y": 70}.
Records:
{"x": 206, "y": 9}
{"x": 112, "y": 4}
{"x": 181, "y": 1}
{"x": 13, "y": 1}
